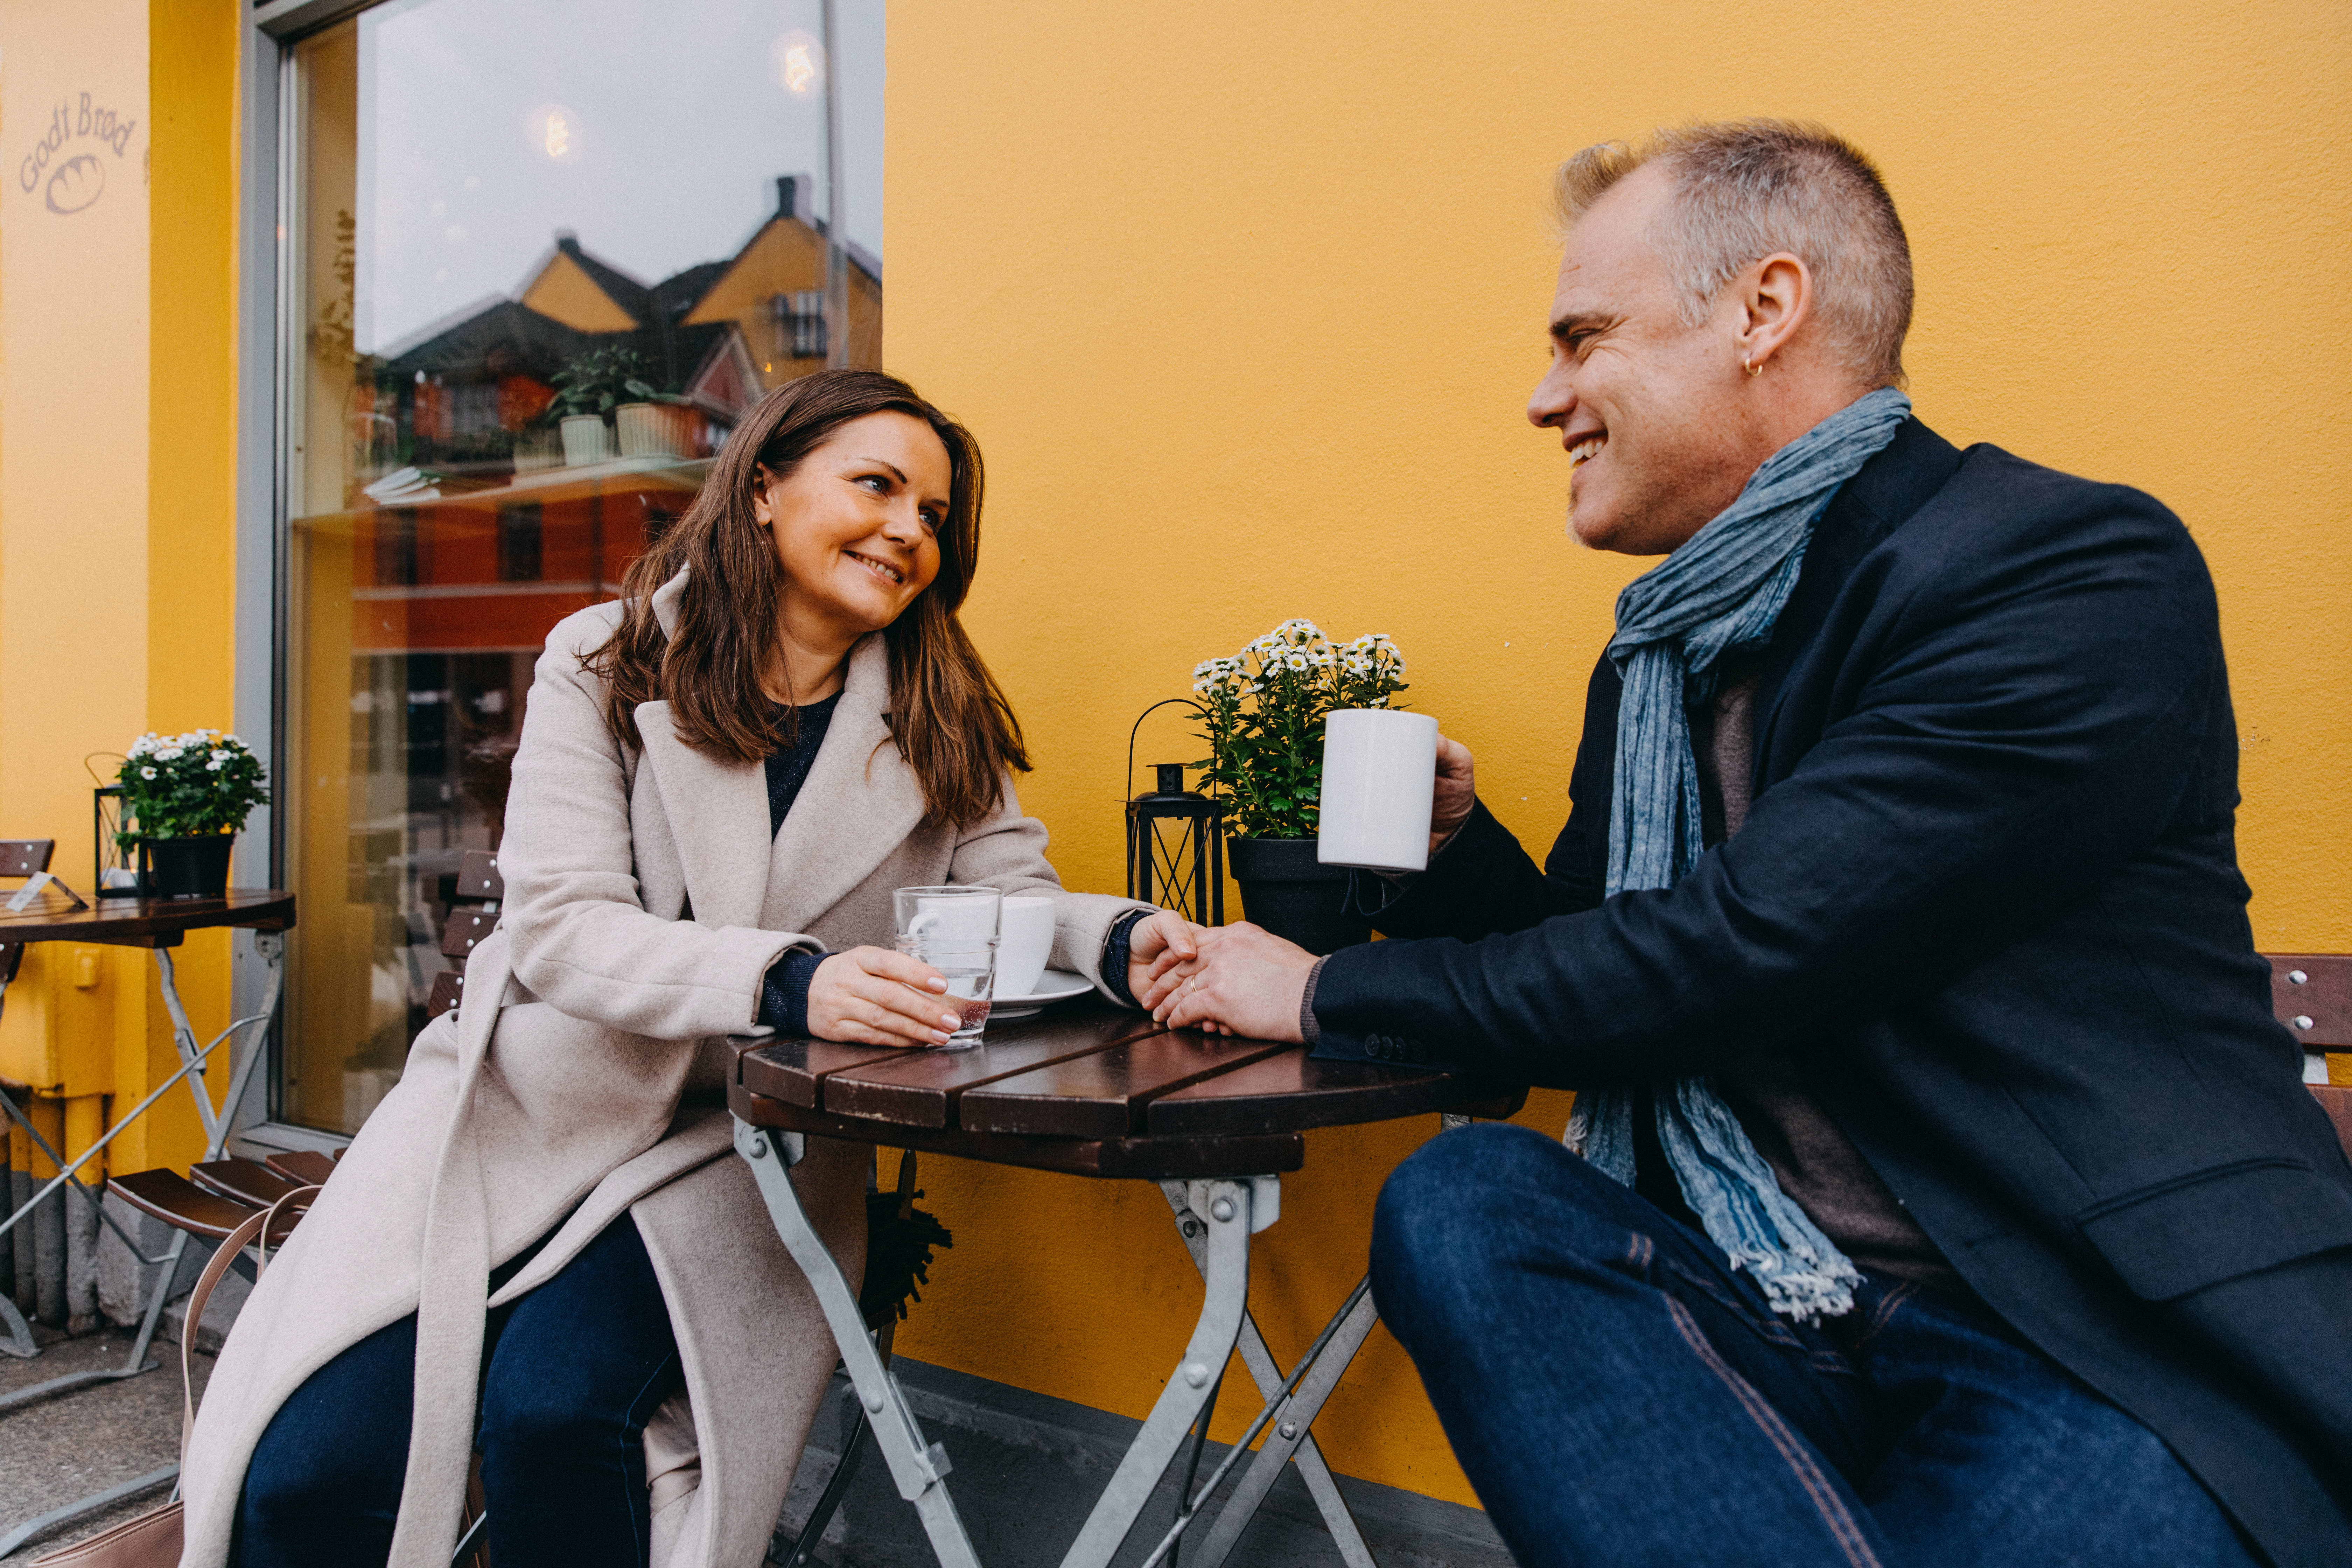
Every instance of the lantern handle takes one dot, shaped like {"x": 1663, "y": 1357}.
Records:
{"x": 1140, "y": 718}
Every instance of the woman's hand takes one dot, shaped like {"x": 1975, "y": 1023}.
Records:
{"x": 1162, "y": 936}
{"x": 873, "y": 996}
{"x": 1453, "y": 794}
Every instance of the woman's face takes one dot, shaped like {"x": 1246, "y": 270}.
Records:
{"x": 857, "y": 523}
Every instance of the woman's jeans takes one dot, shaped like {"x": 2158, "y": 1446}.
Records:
{"x": 1618, "y": 1395}
{"x": 571, "y": 1373}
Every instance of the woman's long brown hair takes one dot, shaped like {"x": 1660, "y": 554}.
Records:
{"x": 949, "y": 718}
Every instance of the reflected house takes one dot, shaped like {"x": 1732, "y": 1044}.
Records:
{"x": 465, "y": 536}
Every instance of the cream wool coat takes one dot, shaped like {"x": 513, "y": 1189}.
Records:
{"x": 581, "y": 1077}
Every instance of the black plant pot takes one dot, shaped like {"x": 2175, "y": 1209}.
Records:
{"x": 1297, "y": 898}
{"x": 194, "y": 868}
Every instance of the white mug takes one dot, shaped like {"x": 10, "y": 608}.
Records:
{"x": 1380, "y": 768}
{"x": 1025, "y": 941}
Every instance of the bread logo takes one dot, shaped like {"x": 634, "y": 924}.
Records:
{"x": 78, "y": 179}
{"x": 76, "y": 184}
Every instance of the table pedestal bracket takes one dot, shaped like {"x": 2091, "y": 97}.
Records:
{"x": 1229, "y": 1209}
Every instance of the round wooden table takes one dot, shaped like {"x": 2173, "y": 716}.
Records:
{"x": 1095, "y": 1090}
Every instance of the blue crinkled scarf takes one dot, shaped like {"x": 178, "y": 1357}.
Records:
{"x": 1719, "y": 594}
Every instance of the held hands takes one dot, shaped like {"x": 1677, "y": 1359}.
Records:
{"x": 1455, "y": 792}
{"x": 1162, "y": 933}
{"x": 1242, "y": 980}
{"x": 873, "y": 996}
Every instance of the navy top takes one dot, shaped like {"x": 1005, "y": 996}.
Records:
{"x": 783, "y": 996}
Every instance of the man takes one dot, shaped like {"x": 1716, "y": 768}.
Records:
{"x": 1948, "y": 1193}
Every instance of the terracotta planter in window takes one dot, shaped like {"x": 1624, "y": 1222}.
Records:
{"x": 654, "y": 430}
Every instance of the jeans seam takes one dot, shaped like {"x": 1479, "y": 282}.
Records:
{"x": 1832, "y": 1510}
{"x": 1887, "y": 1307}
{"x": 1771, "y": 1331}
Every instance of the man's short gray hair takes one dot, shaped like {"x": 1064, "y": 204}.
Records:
{"x": 1746, "y": 188}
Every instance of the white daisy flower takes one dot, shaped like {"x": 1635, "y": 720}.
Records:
{"x": 170, "y": 755}
{"x": 146, "y": 772}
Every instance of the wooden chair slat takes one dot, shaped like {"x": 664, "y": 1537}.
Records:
{"x": 2317, "y": 1007}
{"x": 1105, "y": 1094}
{"x": 1293, "y": 1091}
{"x": 306, "y": 1166}
{"x": 26, "y": 857}
{"x": 478, "y": 878}
{"x": 448, "y": 991}
{"x": 921, "y": 1087}
{"x": 466, "y": 929}
{"x": 243, "y": 1181}
{"x": 180, "y": 1202}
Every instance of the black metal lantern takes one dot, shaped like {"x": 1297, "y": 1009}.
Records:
{"x": 115, "y": 871}
{"x": 1175, "y": 841}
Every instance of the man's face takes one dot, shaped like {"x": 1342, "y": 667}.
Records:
{"x": 1648, "y": 408}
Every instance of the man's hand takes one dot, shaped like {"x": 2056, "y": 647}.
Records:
{"x": 1245, "y": 981}
{"x": 873, "y": 996}
{"x": 1162, "y": 934}
{"x": 1452, "y": 795}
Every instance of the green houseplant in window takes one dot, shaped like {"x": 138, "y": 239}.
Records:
{"x": 1264, "y": 712}
{"x": 188, "y": 795}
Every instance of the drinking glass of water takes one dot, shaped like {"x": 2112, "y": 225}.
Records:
{"x": 969, "y": 965}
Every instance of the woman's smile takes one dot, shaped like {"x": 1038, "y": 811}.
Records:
{"x": 881, "y": 569}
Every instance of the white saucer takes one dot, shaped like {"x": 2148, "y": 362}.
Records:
{"x": 1053, "y": 985}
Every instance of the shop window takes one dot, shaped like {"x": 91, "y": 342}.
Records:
{"x": 501, "y": 213}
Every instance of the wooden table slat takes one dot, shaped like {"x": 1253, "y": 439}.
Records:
{"x": 919, "y": 1088}
{"x": 1293, "y": 1091}
{"x": 1144, "y": 1158}
{"x": 1105, "y": 1094}
{"x": 791, "y": 1070}
{"x": 150, "y": 922}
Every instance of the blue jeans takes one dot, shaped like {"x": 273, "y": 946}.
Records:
{"x": 571, "y": 1373}
{"x": 1618, "y": 1395}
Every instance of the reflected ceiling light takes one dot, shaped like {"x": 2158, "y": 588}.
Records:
{"x": 554, "y": 131}
{"x": 798, "y": 60}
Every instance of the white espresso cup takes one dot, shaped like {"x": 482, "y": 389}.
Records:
{"x": 1025, "y": 940}
{"x": 1380, "y": 768}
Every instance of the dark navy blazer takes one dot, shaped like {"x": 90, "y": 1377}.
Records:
{"x": 1988, "y": 897}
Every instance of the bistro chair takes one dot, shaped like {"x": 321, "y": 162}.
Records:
{"x": 2312, "y": 995}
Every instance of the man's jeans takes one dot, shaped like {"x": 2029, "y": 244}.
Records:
{"x": 1619, "y": 1395}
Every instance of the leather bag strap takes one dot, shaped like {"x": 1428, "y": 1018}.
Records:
{"x": 216, "y": 1269}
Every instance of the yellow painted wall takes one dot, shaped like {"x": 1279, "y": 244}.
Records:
{"x": 1244, "y": 301}
{"x": 116, "y": 528}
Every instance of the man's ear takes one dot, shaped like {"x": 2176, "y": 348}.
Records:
{"x": 1775, "y": 298}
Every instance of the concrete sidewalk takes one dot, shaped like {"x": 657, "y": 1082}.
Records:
{"x": 1027, "y": 1469}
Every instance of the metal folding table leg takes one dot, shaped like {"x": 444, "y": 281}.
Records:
{"x": 1290, "y": 1439}
{"x": 920, "y": 1467}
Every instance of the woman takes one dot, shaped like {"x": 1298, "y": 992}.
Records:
{"x": 540, "y": 1246}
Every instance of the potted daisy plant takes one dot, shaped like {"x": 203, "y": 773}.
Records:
{"x": 1264, "y": 710}
{"x": 184, "y": 796}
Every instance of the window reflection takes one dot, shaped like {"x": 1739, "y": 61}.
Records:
{"x": 545, "y": 254}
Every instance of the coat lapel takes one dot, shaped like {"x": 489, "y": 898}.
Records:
{"x": 1878, "y": 499}
{"x": 859, "y": 803}
{"x": 717, "y": 815}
